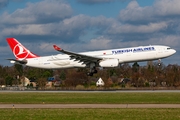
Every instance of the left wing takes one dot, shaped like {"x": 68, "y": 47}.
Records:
{"x": 86, "y": 59}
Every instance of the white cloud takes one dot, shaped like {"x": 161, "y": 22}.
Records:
{"x": 98, "y": 43}
{"x": 41, "y": 12}
{"x": 167, "y": 7}
{"x": 161, "y": 8}
{"x": 91, "y": 2}
{"x": 94, "y": 1}
{"x": 169, "y": 40}
{"x": 129, "y": 28}
{"x": 134, "y": 12}
{"x": 70, "y": 28}
{"x": 3, "y": 3}
{"x": 32, "y": 29}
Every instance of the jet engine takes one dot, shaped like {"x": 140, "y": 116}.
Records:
{"x": 109, "y": 63}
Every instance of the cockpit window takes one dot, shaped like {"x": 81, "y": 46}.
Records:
{"x": 168, "y": 48}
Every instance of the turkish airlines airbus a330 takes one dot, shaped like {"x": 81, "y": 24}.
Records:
{"x": 102, "y": 58}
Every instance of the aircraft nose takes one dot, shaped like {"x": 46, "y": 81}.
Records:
{"x": 173, "y": 51}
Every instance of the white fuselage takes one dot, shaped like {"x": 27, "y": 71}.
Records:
{"x": 124, "y": 55}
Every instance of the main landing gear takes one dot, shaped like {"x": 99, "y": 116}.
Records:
{"x": 92, "y": 69}
{"x": 159, "y": 62}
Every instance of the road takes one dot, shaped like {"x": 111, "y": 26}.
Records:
{"x": 84, "y": 91}
{"x": 62, "y": 106}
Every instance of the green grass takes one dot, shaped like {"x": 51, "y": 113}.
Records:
{"x": 89, "y": 114}
{"x": 89, "y": 98}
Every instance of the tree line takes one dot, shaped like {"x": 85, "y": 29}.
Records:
{"x": 139, "y": 76}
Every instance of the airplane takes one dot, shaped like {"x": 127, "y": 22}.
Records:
{"x": 103, "y": 58}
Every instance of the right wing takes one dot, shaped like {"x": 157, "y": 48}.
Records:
{"x": 86, "y": 59}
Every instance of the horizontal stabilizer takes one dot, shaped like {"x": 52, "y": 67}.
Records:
{"x": 18, "y": 61}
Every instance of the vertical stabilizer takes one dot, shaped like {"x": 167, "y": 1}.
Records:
{"x": 19, "y": 51}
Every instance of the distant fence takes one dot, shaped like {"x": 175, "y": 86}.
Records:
{"x": 16, "y": 88}
{"x": 96, "y": 89}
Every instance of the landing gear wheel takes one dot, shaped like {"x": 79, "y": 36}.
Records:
{"x": 159, "y": 62}
{"x": 92, "y": 69}
{"x": 90, "y": 74}
{"x": 95, "y": 71}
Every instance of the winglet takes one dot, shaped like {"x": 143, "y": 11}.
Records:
{"x": 57, "y": 48}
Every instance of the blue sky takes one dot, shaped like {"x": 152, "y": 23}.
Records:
{"x": 83, "y": 25}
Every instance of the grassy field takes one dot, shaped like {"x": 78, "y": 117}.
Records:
{"x": 90, "y": 114}
{"x": 89, "y": 98}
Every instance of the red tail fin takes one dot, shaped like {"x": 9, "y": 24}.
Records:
{"x": 19, "y": 51}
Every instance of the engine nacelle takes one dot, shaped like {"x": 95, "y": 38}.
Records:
{"x": 109, "y": 63}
